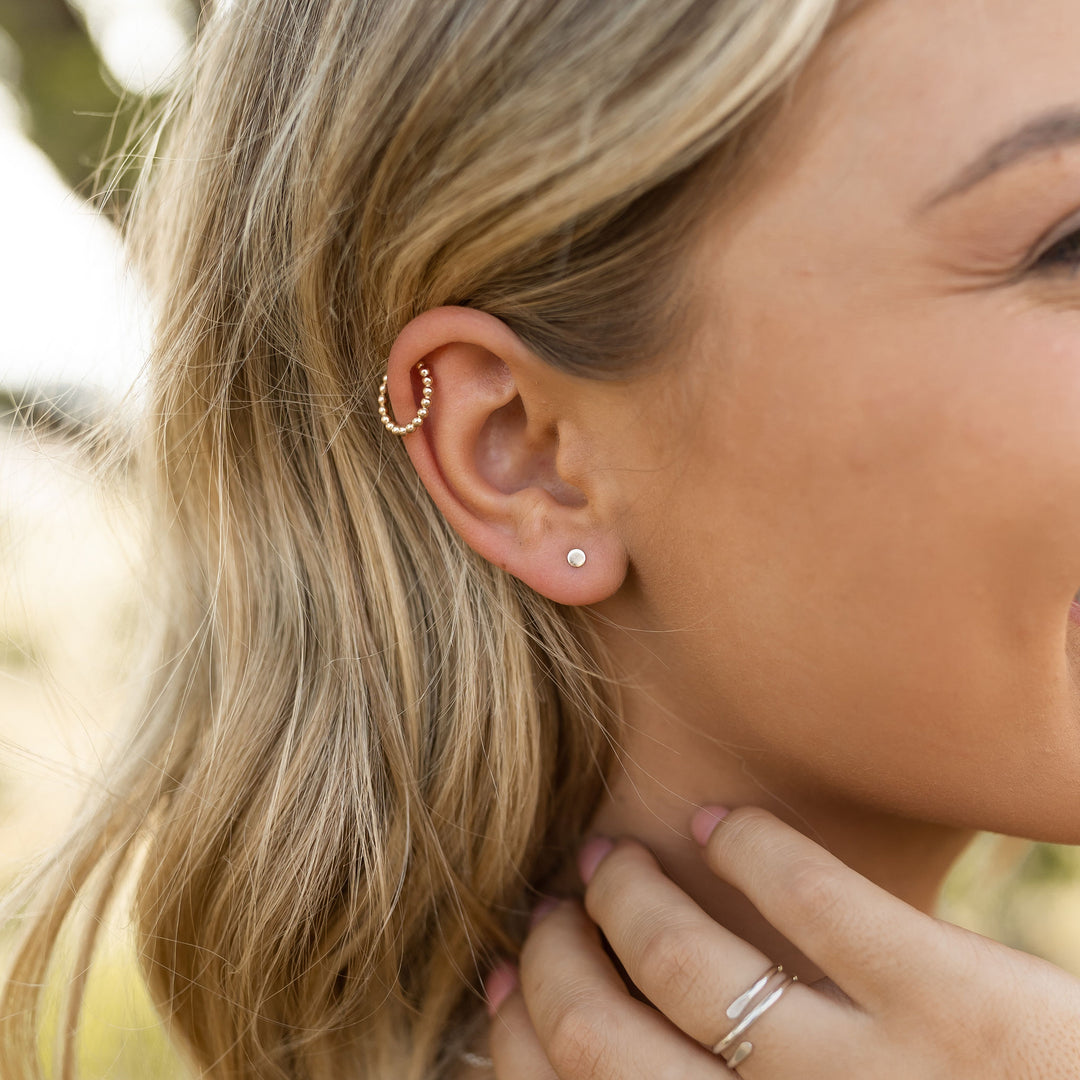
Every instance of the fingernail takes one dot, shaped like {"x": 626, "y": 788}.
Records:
{"x": 544, "y": 908}
{"x": 592, "y": 855}
{"x": 705, "y": 820}
{"x": 499, "y": 985}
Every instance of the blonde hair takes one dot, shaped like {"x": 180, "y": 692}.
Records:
{"x": 362, "y": 745}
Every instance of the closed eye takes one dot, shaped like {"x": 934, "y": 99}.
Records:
{"x": 1062, "y": 257}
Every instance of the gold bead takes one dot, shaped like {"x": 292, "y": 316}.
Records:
{"x": 422, "y": 412}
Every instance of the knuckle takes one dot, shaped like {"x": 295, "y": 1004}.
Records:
{"x": 628, "y": 858}
{"x": 578, "y": 1043}
{"x": 539, "y": 942}
{"x": 625, "y": 866}
{"x": 815, "y": 895}
{"x": 968, "y": 957}
{"x": 538, "y": 960}
{"x": 743, "y": 831}
{"x": 671, "y": 959}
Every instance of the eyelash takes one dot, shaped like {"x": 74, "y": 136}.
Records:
{"x": 1049, "y": 262}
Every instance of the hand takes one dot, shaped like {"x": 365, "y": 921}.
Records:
{"x": 924, "y": 999}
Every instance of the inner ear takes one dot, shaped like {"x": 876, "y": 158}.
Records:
{"x": 511, "y": 455}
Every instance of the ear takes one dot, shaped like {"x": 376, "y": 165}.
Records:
{"x": 503, "y": 452}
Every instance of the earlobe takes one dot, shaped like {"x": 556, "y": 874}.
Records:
{"x": 485, "y": 430}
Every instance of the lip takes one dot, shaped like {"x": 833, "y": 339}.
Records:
{"x": 1074, "y": 613}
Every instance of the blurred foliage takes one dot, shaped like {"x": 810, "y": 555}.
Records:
{"x": 69, "y": 97}
{"x": 17, "y": 651}
{"x": 1050, "y": 863}
{"x": 120, "y": 1036}
{"x": 68, "y": 411}
{"x": 75, "y": 110}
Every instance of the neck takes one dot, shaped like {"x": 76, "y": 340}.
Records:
{"x": 670, "y": 764}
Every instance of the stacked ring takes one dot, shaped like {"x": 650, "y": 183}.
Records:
{"x": 747, "y": 1009}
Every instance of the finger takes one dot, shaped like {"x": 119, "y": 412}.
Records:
{"x": 515, "y": 1049}
{"x": 586, "y": 1020}
{"x": 868, "y": 941}
{"x": 692, "y": 968}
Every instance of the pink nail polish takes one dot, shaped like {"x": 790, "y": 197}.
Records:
{"x": 705, "y": 820}
{"x": 592, "y": 855}
{"x": 501, "y": 982}
{"x": 544, "y": 908}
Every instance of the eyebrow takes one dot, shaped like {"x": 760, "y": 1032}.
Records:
{"x": 1058, "y": 127}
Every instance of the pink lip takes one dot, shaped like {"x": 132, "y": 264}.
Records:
{"x": 1074, "y": 613}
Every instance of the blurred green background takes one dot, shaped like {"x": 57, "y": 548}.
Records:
{"x": 72, "y": 75}
{"x": 73, "y": 78}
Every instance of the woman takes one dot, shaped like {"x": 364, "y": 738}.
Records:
{"x": 726, "y": 453}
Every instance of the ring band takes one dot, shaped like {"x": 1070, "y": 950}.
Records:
{"x": 748, "y": 1008}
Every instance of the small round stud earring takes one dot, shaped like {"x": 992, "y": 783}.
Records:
{"x": 576, "y": 557}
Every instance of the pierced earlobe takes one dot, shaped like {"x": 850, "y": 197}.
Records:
{"x": 576, "y": 557}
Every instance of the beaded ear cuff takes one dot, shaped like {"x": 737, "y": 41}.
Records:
{"x": 418, "y": 419}
{"x": 575, "y": 558}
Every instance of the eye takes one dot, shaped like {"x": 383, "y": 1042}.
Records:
{"x": 1064, "y": 256}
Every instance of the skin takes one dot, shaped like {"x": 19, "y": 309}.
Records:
{"x": 834, "y": 542}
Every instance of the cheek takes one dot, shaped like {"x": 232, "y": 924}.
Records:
{"x": 879, "y": 544}
{"x": 915, "y": 455}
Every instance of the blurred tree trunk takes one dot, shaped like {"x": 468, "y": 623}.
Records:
{"x": 62, "y": 80}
